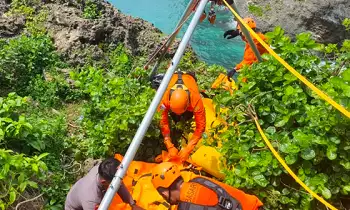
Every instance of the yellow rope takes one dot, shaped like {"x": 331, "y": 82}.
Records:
{"x": 284, "y": 164}
{"x": 291, "y": 69}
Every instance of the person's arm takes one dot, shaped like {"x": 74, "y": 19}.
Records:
{"x": 90, "y": 205}
{"x": 165, "y": 129}
{"x": 164, "y": 123}
{"x": 230, "y": 34}
{"x": 125, "y": 195}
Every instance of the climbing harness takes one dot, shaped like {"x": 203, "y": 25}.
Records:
{"x": 157, "y": 79}
{"x": 225, "y": 200}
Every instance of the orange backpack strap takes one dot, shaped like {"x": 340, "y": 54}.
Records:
{"x": 226, "y": 201}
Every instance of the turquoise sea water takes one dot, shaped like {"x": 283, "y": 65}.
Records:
{"x": 207, "y": 40}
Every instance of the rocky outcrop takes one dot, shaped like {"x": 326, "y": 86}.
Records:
{"x": 323, "y": 18}
{"x": 74, "y": 36}
{"x": 4, "y": 6}
{"x": 11, "y": 26}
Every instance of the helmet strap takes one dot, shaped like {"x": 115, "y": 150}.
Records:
{"x": 169, "y": 195}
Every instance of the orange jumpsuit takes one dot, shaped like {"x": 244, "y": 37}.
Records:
{"x": 196, "y": 106}
{"x": 196, "y": 193}
{"x": 249, "y": 57}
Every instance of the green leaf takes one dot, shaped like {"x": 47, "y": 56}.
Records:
{"x": 302, "y": 139}
{"x": 21, "y": 178}
{"x": 345, "y": 164}
{"x": 12, "y": 197}
{"x": 2, "y": 134}
{"x": 271, "y": 130}
{"x": 346, "y": 188}
{"x": 308, "y": 154}
{"x": 326, "y": 193}
{"x": 288, "y": 147}
{"x": 250, "y": 133}
{"x": 23, "y": 186}
{"x": 33, "y": 184}
{"x": 332, "y": 152}
{"x": 290, "y": 77}
{"x": 42, "y": 156}
{"x": 291, "y": 159}
{"x": 284, "y": 200}
{"x": 346, "y": 75}
{"x": 261, "y": 180}
{"x": 285, "y": 191}
{"x": 53, "y": 201}
{"x": 281, "y": 123}
{"x": 35, "y": 167}
{"x": 289, "y": 91}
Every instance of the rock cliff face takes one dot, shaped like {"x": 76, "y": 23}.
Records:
{"x": 73, "y": 35}
{"x": 323, "y": 18}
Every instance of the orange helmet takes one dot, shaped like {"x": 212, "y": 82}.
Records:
{"x": 164, "y": 174}
{"x": 250, "y": 21}
{"x": 179, "y": 101}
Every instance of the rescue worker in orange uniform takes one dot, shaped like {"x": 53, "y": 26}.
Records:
{"x": 182, "y": 101}
{"x": 249, "y": 57}
{"x": 212, "y": 14}
{"x": 200, "y": 192}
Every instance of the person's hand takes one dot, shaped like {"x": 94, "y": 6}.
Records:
{"x": 231, "y": 34}
{"x": 173, "y": 152}
{"x": 230, "y": 74}
{"x": 170, "y": 147}
{"x": 184, "y": 154}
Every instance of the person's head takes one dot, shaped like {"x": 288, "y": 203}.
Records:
{"x": 166, "y": 178}
{"x": 179, "y": 101}
{"x": 250, "y": 22}
{"x": 107, "y": 170}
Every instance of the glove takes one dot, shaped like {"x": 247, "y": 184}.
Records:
{"x": 230, "y": 74}
{"x": 185, "y": 153}
{"x": 231, "y": 34}
{"x": 170, "y": 147}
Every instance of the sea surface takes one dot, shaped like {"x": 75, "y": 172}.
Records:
{"x": 207, "y": 40}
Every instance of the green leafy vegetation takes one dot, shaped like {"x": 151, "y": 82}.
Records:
{"x": 309, "y": 133}
{"x": 346, "y": 23}
{"x": 91, "y": 10}
{"x": 53, "y": 116}
{"x": 255, "y": 10}
{"x": 22, "y": 58}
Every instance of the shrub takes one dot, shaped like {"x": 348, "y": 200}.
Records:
{"x": 309, "y": 133}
